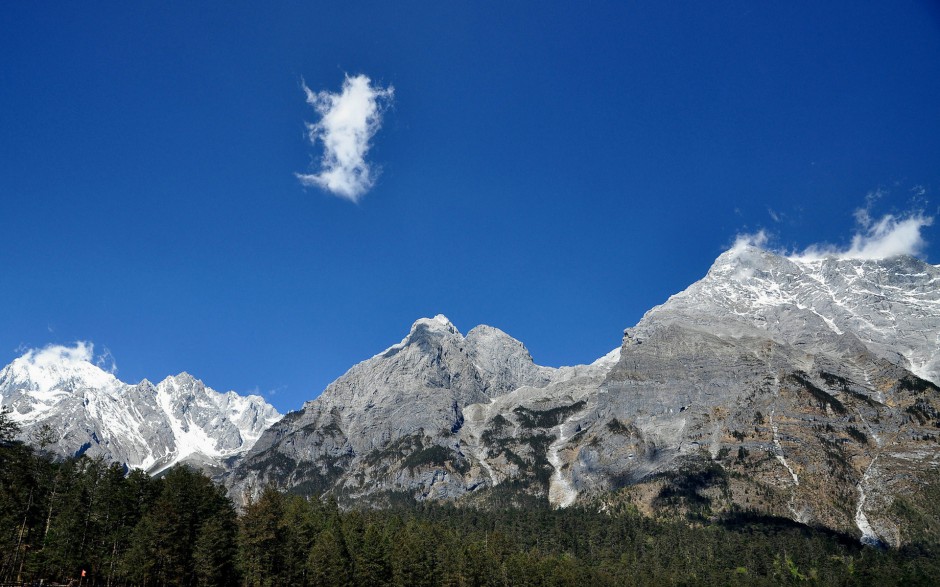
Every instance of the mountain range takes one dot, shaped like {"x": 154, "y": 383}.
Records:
{"x": 796, "y": 388}
{"x": 803, "y": 389}
{"x": 87, "y": 410}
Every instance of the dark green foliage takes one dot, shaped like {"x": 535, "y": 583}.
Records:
{"x": 617, "y": 427}
{"x": 329, "y": 563}
{"x": 832, "y": 379}
{"x": 924, "y": 412}
{"x": 412, "y": 452}
{"x": 531, "y": 460}
{"x": 8, "y": 428}
{"x": 175, "y": 542}
{"x": 916, "y": 385}
{"x": 824, "y": 398}
{"x": 499, "y": 423}
{"x": 534, "y": 463}
{"x": 395, "y": 450}
{"x": 920, "y": 512}
{"x": 433, "y": 455}
{"x": 846, "y": 386}
{"x": 490, "y": 436}
{"x": 857, "y": 434}
{"x": 546, "y": 418}
{"x": 262, "y": 537}
{"x": 57, "y": 519}
{"x": 685, "y": 488}
{"x": 81, "y": 514}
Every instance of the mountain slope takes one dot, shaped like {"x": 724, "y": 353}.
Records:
{"x": 144, "y": 426}
{"x": 795, "y": 377}
{"x": 406, "y": 400}
{"x": 803, "y": 389}
{"x": 891, "y": 305}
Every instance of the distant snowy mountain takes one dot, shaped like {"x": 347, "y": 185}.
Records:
{"x": 795, "y": 387}
{"x": 144, "y": 426}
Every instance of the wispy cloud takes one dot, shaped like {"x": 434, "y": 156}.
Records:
{"x": 874, "y": 237}
{"x": 256, "y": 390}
{"x": 348, "y": 121}
{"x": 742, "y": 241}
{"x": 877, "y": 238}
{"x": 53, "y": 354}
{"x": 106, "y": 362}
{"x": 82, "y": 352}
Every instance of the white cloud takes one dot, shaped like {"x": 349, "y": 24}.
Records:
{"x": 48, "y": 366}
{"x": 742, "y": 241}
{"x": 57, "y": 354}
{"x": 83, "y": 352}
{"x": 875, "y": 237}
{"x": 348, "y": 121}
{"x": 888, "y": 236}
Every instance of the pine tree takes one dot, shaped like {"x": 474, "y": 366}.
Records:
{"x": 329, "y": 564}
{"x": 261, "y": 538}
{"x": 301, "y": 522}
{"x": 216, "y": 550}
{"x": 372, "y": 565}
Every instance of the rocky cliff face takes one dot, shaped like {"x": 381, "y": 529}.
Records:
{"x": 379, "y": 427}
{"x": 813, "y": 384}
{"x": 804, "y": 389}
{"x": 146, "y": 426}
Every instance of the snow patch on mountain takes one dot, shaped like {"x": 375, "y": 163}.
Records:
{"x": 892, "y": 306}
{"x": 143, "y": 426}
{"x": 50, "y": 372}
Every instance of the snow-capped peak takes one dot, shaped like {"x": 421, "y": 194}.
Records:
{"x": 144, "y": 426}
{"x": 437, "y": 323}
{"x": 892, "y": 304}
{"x": 57, "y": 367}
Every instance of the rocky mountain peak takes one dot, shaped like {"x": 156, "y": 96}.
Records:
{"x": 749, "y": 256}
{"x": 890, "y": 306}
{"x": 182, "y": 385}
{"x": 143, "y": 426}
{"x": 438, "y": 323}
{"x": 805, "y": 380}
{"x": 57, "y": 368}
{"x": 425, "y": 333}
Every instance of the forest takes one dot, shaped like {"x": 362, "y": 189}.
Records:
{"x": 62, "y": 518}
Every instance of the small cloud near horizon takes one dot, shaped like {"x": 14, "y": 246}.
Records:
{"x": 874, "y": 238}
{"x": 256, "y": 390}
{"x": 348, "y": 121}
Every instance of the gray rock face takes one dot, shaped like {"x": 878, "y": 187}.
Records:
{"x": 892, "y": 306}
{"x": 811, "y": 386}
{"x": 407, "y": 399}
{"x": 144, "y": 426}
{"x": 818, "y": 375}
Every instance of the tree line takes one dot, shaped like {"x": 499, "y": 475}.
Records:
{"x": 61, "y": 517}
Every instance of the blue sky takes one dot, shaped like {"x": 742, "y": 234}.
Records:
{"x": 554, "y": 170}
